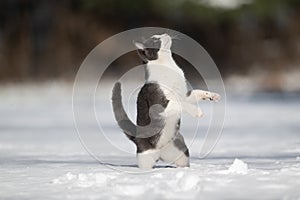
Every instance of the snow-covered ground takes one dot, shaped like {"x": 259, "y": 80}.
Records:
{"x": 41, "y": 157}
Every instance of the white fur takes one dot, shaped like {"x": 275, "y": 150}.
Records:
{"x": 165, "y": 72}
{"x": 191, "y": 109}
{"x": 170, "y": 153}
{"x": 168, "y": 133}
{"x": 147, "y": 159}
{"x": 197, "y": 95}
{"x": 170, "y": 77}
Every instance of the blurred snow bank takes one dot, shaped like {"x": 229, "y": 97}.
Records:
{"x": 261, "y": 81}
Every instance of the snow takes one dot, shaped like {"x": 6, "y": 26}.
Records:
{"x": 41, "y": 156}
{"x": 188, "y": 182}
{"x": 239, "y": 167}
{"x": 82, "y": 180}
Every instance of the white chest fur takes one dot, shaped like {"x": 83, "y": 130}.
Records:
{"x": 171, "y": 79}
{"x": 169, "y": 76}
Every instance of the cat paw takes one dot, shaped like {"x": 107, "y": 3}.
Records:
{"x": 214, "y": 97}
{"x": 198, "y": 113}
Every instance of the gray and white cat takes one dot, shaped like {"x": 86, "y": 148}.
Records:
{"x": 159, "y": 105}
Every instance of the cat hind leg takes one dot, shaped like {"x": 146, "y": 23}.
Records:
{"x": 176, "y": 152}
{"x": 148, "y": 158}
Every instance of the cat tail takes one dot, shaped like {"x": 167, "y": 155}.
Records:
{"x": 124, "y": 122}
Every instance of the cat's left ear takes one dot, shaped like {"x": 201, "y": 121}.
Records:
{"x": 139, "y": 45}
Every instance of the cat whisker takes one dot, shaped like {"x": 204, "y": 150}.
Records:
{"x": 174, "y": 35}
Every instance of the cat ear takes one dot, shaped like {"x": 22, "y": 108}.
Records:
{"x": 141, "y": 50}
{"x": 139, "y": 45}
{"x": 142, "y": 55}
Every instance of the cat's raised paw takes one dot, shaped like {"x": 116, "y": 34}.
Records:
{"x": 198, "y": 113}
{"x": 214, "y": 97}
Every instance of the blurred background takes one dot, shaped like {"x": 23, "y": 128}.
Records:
{"x": 255, "y": 43}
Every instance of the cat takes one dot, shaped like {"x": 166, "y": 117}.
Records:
{"x": 159, "y": 105}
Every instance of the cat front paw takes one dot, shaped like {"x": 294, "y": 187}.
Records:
{"x": 210, "y": 96}
{"x": 198, "y": 113}
{"x": 214, "y": 97}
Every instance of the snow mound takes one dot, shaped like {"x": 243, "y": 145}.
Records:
{"x": 238, "y": 167}
{"x": 130, "y": 190}
{"x": 188, "y": 182}
{"x": 64, "y": 179}
{"x": 82, "y": 180}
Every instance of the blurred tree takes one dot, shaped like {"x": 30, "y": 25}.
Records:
{"x": 49, "y": 39}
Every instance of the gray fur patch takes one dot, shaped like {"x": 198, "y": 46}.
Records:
{"x": 150, "y": 95}
{"x": 150, "y": 52}
{"x": 180, "y": 144}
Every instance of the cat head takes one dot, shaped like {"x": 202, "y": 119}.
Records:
{"x": 151, "y": 48}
